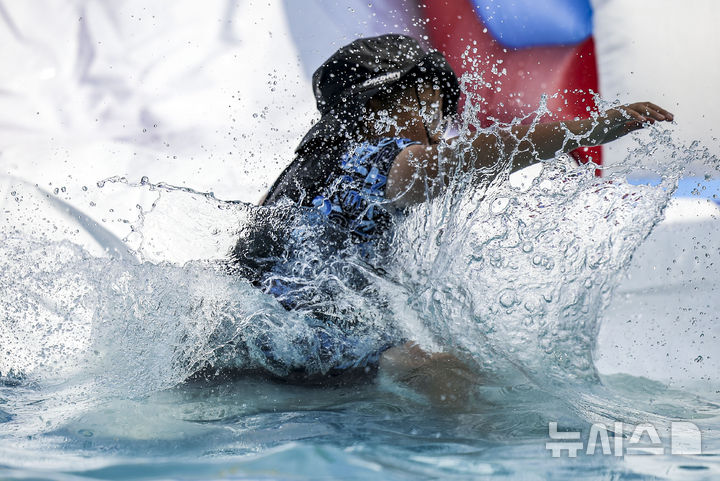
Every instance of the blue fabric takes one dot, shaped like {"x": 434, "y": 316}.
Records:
{"x": 531, "y": 23}
{"x": 352, "y": 199}
{"x": 351, "y": 203}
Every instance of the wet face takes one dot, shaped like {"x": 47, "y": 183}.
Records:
{"x": 415, "y": 113}
{"x": 431, "y": 111}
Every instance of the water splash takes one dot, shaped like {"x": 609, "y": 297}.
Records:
{"x": 517, "y": 276}
{"x": 513, "y": 277}
{"x": 521, "y": 276}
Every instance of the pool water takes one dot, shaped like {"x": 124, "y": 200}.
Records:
{"x": 254, "y": 429}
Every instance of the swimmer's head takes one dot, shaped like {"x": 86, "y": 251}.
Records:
{"x": 378, "y": 67}
{"x": 415, "y": 106}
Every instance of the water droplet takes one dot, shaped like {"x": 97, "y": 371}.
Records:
{"x": 507, "y": 298}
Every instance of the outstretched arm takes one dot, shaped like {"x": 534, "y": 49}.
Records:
{"x": 547, "y": 140}
{"x": 527, "y": 144}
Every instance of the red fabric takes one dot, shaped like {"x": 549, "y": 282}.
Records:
{"x": 530, "y": 72}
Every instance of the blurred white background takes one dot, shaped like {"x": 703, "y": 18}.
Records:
{"x": 215, "y": 95}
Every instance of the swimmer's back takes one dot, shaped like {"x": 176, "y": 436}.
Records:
{"x": 345, "y": 184}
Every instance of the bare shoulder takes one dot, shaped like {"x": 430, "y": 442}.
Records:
{"x": 411, "y": 164}
{"x": 414, "y": 153}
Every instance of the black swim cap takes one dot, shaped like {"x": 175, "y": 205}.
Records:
{"x": 359, "y": 70}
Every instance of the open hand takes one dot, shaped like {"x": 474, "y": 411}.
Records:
{"x": 628, "y": 118}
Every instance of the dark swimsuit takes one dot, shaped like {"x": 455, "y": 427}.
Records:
{"x": 344, "y": 210}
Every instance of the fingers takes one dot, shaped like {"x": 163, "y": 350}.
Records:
{"x": 648, "y": 112}
{"x": 634, "y": 114}
{"x": 668, "y": 115}
{"x": 632, "y": 119}
{"x": 622, "y": 120}
{"x": 652, "y": 114}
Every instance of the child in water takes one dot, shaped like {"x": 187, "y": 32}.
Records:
{"x": 374, "y": 153}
